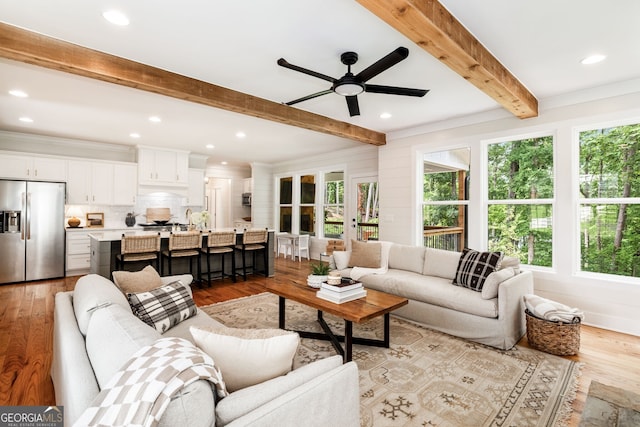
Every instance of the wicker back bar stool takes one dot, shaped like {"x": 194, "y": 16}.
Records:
{"x": 254, "y": 240}
{"x": 220, "y": 243}
{"x": 139, "y": 248}
{"x": 183, "y": 245}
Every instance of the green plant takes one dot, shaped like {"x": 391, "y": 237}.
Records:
{"x": 319, "y": 269}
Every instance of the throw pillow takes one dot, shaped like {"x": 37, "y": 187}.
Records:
{"x": 137, "y": 281}
{"x": 492, "y": 283}
{"x": 341, "y": 259}
{"x": 164, "y": 307}
{"x": 248, "y": 357}
{"x": 474, "y": 267}
{"x": 365, "y": 254}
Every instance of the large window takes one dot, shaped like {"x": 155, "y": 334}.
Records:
{"x": 333, "y": 205}
{"x": 520, "y": 190}
{"x": 307, "y": 204}
{"x": 444, "y": 199}
{"x": 609, "y": 186}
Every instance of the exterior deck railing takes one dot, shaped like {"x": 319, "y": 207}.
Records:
{"x": 448, "y": 238}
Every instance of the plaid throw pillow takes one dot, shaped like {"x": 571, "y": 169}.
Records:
{"x": 474, "y": 267}
{"x": 164, "y": 307}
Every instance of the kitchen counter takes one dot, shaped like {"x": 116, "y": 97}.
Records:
{"x": 105, "y": 244}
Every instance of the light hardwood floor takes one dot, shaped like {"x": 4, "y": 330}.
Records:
{"x": 26, "y": 325}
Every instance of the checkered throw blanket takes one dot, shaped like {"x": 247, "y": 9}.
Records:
{"x": 140, "y": 392}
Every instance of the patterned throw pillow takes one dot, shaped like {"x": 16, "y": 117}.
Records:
{"x": 164, "y": 307}
{"x": 474, "y": 267}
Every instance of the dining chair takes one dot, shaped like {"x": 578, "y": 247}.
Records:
{"x": 302, "y": 246}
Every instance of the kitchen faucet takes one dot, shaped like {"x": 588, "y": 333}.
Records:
{"x": 188, "y": 215}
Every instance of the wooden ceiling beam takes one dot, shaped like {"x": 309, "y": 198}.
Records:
{"x": 434, "y": 29}
{"x": 33, "y": 48}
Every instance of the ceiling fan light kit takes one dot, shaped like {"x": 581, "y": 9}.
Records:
{"x": 351, "y": 85}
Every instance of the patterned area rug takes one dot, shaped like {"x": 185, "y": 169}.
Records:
{"x": 427, "y": 378}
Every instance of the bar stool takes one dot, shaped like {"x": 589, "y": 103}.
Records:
{"x": 184, "y": 245}
{"x": 220, "y": 243}
{"x": 254, "y": 240}
{"x": 139, "y": 248}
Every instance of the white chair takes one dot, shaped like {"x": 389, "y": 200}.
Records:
{"x": 302, "y": 246}
{"x": 285, "y": 245}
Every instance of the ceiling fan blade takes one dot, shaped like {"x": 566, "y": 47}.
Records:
{"x": 383, "y": 64}
{"x": 283, "y": 63}
{"x": 352, "y": 103}
{"x": 393, "y": 90}
{"x": 305, "y": 98}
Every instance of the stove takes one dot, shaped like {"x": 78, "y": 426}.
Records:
{"x": 163, "y": 227}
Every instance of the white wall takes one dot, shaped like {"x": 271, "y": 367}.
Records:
{"x": 237, "y": 176}
{"x": 611, "y": 302}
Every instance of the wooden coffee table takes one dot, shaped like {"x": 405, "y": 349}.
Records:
{"x": 361, "y": 310}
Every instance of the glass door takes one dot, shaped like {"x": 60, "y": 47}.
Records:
{"x": 364, "y": 208}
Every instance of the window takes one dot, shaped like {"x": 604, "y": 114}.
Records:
{"x": 444, "y": 199}
{"x": 286, "y": 203}
{"x": 609, "y": 192}
{"x": 521, "y": 198}
{"x": 307, "y": 204}
{"x": 333, "y": 206}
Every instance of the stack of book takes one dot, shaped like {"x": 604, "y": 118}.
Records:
{"x": 347, "y": 290}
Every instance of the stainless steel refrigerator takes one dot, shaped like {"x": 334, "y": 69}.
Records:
{"x": 32, "y": 237}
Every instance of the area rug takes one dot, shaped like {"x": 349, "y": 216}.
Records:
{"x": 608, "y": 406}
{"x": 427, "y": 378}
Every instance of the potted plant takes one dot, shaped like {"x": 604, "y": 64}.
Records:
{"x": 319, "y": 274}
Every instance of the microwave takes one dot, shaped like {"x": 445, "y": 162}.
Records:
{"x": 246, "y": 199}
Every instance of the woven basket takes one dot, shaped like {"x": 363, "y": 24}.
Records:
{"x": 561, "y": 339}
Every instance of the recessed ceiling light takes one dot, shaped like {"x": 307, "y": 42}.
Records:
{"x": 211, "y": 146}
{"x": 385, "y": 115}
{"x": 18, "y": 93}
{"x": 25, "y": 119}
{"x": 241, "y": 134}
{"x": 134, "y": 135}
{"x": 223, "y": 162}
{"x": 155, "y": 119}
{"x": 593, "y": 59}
{"x": 116, "y": 17}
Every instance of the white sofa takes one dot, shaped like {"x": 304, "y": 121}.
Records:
{"x": 95, "y": 332}
{"x": 424, "y": 276}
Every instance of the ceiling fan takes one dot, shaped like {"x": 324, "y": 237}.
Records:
{"x": 351, "y": 85}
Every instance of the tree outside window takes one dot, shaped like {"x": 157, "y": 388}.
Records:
{"x": 520, "y": 199}
{"x": 610, "y": 200}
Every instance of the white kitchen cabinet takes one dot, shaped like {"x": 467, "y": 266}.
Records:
{"x": 195, "y": 195}
{"x": 90, "y": 183}
{"x": 78, "y": 252}
{"x": 163, "y": 167}
{"x": 125, "y": 184}
{"x": 34, "y": 168}
{"x": 247, "y": 185}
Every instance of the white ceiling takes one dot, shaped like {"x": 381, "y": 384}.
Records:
{"x": 235, "y": 44}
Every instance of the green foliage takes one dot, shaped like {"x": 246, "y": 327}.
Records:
{"x": 610, "y": 231}
{"x": 319, "y": 268}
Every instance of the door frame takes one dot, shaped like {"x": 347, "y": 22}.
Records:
{"x": 354, "y": 180}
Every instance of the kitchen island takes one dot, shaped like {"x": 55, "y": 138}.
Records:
{"x": 106, "y": 244}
